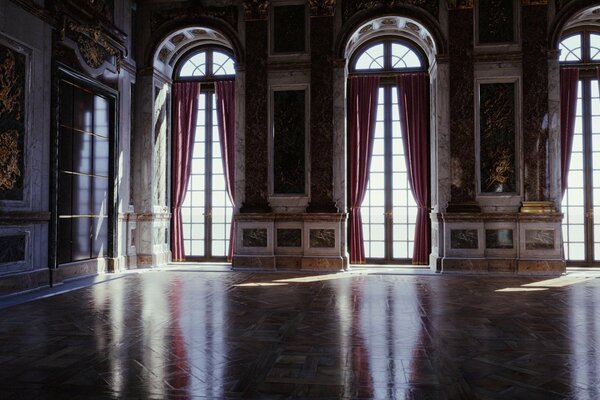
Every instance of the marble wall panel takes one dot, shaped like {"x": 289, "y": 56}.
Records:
{"x": 289, "y": 237}
{"x": 464, "y": 239}
{"x": 462, "y": 130}
{"x": 322, "y": 238}
{"x": 497, "y": 138}
{"x": 13, "y": 248}
{"x": 496, "y": 21}
{"x": 254, "y": 237}
{"x": 289, "y": 142}
{"x": 539, "y": 239}
{"x": 535, "y": 101}
{"x": 289, "y": 28}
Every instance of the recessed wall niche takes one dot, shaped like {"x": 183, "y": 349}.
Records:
{"x": 288, "y": 33}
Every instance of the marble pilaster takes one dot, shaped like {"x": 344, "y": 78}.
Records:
{"x": 340, "y": 147}
{"x": 256, "y": 139}
{"x": 441, "y": 177}
{"x": 149, "y": 169}
{"x": 321, "y": 115}
{"x": 462, "y": 118}
{"x": 535, "y": 101}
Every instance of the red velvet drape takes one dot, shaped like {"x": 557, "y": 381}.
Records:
{"x": 226, "y": 116}
{"x": 414, "y": 115}
{"x": 185, "y": 109}
{"x": 569, "y": 78}
{"x": 362, "y": 112}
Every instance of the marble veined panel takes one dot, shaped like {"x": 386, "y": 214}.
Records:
{"x": 254, "y": 237}
{"x": 464, "y": 239}
{"x": 539, "y": 239}
{"x": 289, "y": 237}
{"x": 322, "y": 238}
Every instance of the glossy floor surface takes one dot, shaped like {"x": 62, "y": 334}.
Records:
{"x": 186, "y": 334}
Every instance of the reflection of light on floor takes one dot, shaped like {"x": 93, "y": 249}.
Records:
{"x": 314, "y": 278}
{"x": 255, "y": 284}
{"x": 559, "y": 282}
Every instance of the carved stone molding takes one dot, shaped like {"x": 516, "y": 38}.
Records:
{"x": 256, "y": 9}
{"x": 322, "y": 8}
{"x": 460, "y": 4}
{"x": 93, "y": 45}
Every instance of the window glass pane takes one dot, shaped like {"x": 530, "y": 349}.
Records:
{"x": 222, "y": 64}
{"x": 595, "y": 46}
{"x": 372, "y": 58}
{"x": 570, "y": 48}
{"x": 194, "y": 66}
{"x": 404, "y": 57}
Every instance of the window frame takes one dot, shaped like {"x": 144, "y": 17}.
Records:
{"x": 386, "y": 84}
{"x": 207, "y": 87}
{"x": 587, "y": 74}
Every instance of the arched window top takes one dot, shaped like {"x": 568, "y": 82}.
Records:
{"x": 206, "y": 64}
{"x": 570, "y": 48}
{"x": 582, "y": 46}
{"x": 387, "y": 55}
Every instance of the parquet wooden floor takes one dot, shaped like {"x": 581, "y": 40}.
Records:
{"x": 188, "y": 334}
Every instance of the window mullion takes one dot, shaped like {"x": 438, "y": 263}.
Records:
{"x": 388, "y": 172}
{"x": 208, "y": 177}
{"x": 587, "y": 173}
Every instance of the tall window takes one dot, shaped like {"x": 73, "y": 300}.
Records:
{"x": 207, "y": 210}
{"x": 581, "y": 202}
{"x": 389, "y": 209}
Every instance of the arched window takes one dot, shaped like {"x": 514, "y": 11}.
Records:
{"x": 389, "y": 209}
{"x": 581, "y": 201}
{"x": 207, "y": 209}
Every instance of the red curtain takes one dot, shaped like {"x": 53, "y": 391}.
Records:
{"x": 414, "y": 114}
{"x": 569, "y": 78}
{"x": 362, "y": 110}
{"x": 185, "y": 109}
{"x": 226, "y": 115}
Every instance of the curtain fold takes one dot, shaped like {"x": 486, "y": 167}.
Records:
{"x": 414, "y": 115}
{"x": 569, "y": 78}
{"x": 362, "y": 110}
{"x": 185, "y": 109}
{"x": 226, "y": 116}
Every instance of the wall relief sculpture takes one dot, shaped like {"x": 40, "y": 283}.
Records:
{"x": 497, "y": 137}
{"x": 12, "y": 123}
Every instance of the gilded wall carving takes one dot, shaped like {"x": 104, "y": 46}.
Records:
{"x": 351, "y": 7}
{"x": 497, "y": 137}
{"x": 322, "y": 8}
{"x": 256, "y": 9}
{"x": 94, "y": 46}
{"x": 460, "y": 4}
{"x": 12, "y": 124}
